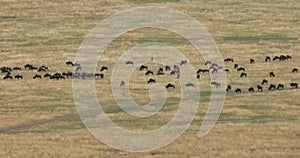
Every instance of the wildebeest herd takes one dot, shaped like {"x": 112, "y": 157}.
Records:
{"x": 43, "y": 72}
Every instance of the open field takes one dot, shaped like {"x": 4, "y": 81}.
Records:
{"x": 38, "y": 118}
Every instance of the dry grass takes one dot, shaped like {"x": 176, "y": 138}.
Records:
{"x": 251, "y": 125}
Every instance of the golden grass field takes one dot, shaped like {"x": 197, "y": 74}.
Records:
{"x": 265, "y": 124}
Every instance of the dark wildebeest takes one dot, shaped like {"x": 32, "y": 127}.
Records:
{"x": 168, "y": 68}
{"x": 43, "y": 68}
{"x": 189, "y": 85}
{"x": 149, "y": 72}
{"x": 241, "y": 69}
{"x": 129, "y": 63}
{"x": 143, "y": 67}
{"x": 5, "y": 69}
{"x": 207, "y": 62}
{"x": 228, "y": 60}
{"x": 267, "y": 59}
{"x": 170, "y": 85}
{"x": 251, "y": 89}
{"x": 243, "y": 74}
{"x": 264, "y": 81}
{"x": 160, "y": 73}
{"x": 236, "y": 66}
{"x": 289, "y": 57}
{"x": 294, "y": 85}
{"x": 69, "y": 63}
{"x": 151, "y": 80}
{"x": 215, "y": 84}
{"x": 37, "y": 76}
{"x": 47, "y": 75}
{"x": 17, "y": 68}
{"x": 27, "y": 66}
{"x": 238, "y": 90}
{"x": 272, "y": 87}
{"x": 33, "y": 68}
{"x": 226, "y": 70}
{"x": 76, "y": 64}
{"x": 276, "y": 58}
{"x": 214, "y": 70}
{"x": 172, "y": 72}
{"x": 259, "y": 88}
{"x": 18, "y": 77}
{"x": 183, "y": 62}
{"x": 99, "y": 75}
{"x": 228, "y": 88}
{"x": 8, "y": 76}
{"x": 122, "y": 84}
{"x": 198, "y": 76}
{"x": 280, "y": 86}
{"x": 272, "y": 74}
{"x": 104, "y": 68}
{"x": 202, "y": 71}
{"x": 295, "y": 70}
{"x": 251, "y": 61}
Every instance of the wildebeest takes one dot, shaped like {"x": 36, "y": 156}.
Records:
{"x": 215, "y": 84}
{"x": 170, "y": 85}
{"x": 5, "y": 69}
{"x": 149, "y": 72}
{"x": 183, "y": 62}
{"x": 37, "y": 76}
{"x": 267, "y": 59}
{"x": 295, "y": 70}
{"x": 272, "y": 87}
{"x": 243, "y": 74}
{"x": 57, "y": 76}
{"x": 228, "y": 88}
{"x": 99, "y": 75}
{"x": 47, "y": 75}
{"x": 264, "y": 81}
{"x": 17, "y": 68}
{"x": 69, "y": 63}
{"x": 8, "y": 76}
{"x": 214, "y": 70}
{"x": 76, "y": 64}
{"x": 172, "y": 72}
{"x": 122, "y": 84}
{"x": 272, "y": 74}
{"x": 189, "y": 85}
{"x": 43, "y": 68}
{"x": 259, "y": 88}
{"x": 251, "y": 89}
{"x": 238, "y": 90}
{"x": 280, "y": 86}
{"x": 18, "y": 77}
{"x": 168, "y": 68}
{"x": 33, "y": 68}
{"x": 198, "y": 76}
{"x": 294, "y": 85}
{"x": 226, "y": 70}
{"x": 276, "y": 58}
{"x": 78, "y": 68}
{"x": 236, "y": 66}
{"x": 129, "y": 63}
{"x": 241, "y": 69}
{"x": 160, "y": 73}
{"x": 207, "y": 62}
{"x": 143, "y": 67}
{"x": 251, "y": 61}
{"x": 27, "y": 66}
{"x": 104, "y": 68}
{"x": 202, "y": 71}
{"x": 151, "y": 80}
{"x": 228, "y": 60}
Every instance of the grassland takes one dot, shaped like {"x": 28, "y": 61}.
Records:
{"x": 50, "y": 33}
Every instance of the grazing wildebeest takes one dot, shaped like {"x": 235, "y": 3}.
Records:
{"x": 168, "y": 68}
{"x": 215, "y": 84}
{"x": 295, "y": 70}
{"x": 5, "y": 69}
{"x": 160, "y": 73}
{"x": 207, "y": 62}
{"x": 289, "y": 57}
{"x": 17, "y": 68}
{"x": 272, "y": 87}
{"x": 238, "y": 90}
{"x": 37, "y": 76}
{"x": 198, "y": 76}
{"x": 267, "y": 59}
{"x": 189, "y": 85}
{"x": 172, "y": 72}
{"x": 251, "y": 89}
{"x": 122, "y": 84}
{"x": 42, "y": 68}
{"x": 280, "y": 86}
{"x": 8, "y": 76}
{"x": 78, "y": 68}
{"x": 27, "y": 66}
{"x": 149, "y": 72}
{"x": 69, "y": 63}
{"x": 214, "y": 70}
{"x": 18, "y": 77}
{"x": 241, "y": 69}
{"x": 226, "y": 70}
{"x": 272, "y": 74}
{"x": 47, "y": 75}
{"x": 202, "y": 71}
{"x": 151, "y": 80}
{"x": 103, "y": 68}
{"x": 276, "y": 58}
{"x": 282, "y": 58}
{"x": 143, "y": 67}
{"x": 236, "y": 66}
{"x": 129, "y": 63}
{"x": 32, "y": 68}
{"x": 183, "y": 62}
{"x": 99, "y": 75}
{"x": 228, "y": 88}
{"x": 294, "y": 85}
{"x": 243, "y": 74}
{"x": 264, "y": 81}
{"x": 259, "y": 88}
{"x": 57, "y": 76}
{"x": 251, "y": 61}
{"x": 170, "y": 85}
{"x": 228, "y": 60}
